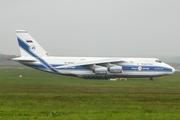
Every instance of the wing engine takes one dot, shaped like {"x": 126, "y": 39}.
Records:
{"x": 115, "y": 69}
{"x": 100, "y": 71}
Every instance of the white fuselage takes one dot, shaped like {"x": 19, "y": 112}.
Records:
{"x": 132, "y": 67}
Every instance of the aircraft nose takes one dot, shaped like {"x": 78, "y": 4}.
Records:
{"x": 173, "y": 70}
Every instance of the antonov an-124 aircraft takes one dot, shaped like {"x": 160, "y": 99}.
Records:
{"x": 33, "y": 55}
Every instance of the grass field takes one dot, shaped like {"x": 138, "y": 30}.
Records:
{"x": 44, "y": 96}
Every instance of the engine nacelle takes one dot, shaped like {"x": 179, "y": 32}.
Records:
{"x": 115, "y": 69}
{"x": 100, "y": 71}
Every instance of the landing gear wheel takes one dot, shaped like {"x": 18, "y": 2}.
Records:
{"x": 151, "y": 78}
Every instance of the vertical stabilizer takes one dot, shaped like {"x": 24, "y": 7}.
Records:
{"x": 28, "y": 46}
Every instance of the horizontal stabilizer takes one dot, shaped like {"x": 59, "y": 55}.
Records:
{"x": 25, "y": 59}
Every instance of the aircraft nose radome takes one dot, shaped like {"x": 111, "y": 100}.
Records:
{"x": 173, "y": 70}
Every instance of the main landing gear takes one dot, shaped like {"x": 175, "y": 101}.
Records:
{"x": 151, "y": 78}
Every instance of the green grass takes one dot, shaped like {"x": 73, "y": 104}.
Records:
{"x": 39, "y": 95}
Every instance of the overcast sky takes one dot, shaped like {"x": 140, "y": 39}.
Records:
{"x": 94, "y": 27}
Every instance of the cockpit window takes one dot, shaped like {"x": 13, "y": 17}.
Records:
{"x": 158, "y": 61}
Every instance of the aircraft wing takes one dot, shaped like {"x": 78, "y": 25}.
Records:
{"x": 97, "y": 62}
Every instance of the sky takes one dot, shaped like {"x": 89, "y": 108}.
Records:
{"x": 118, "y": 28}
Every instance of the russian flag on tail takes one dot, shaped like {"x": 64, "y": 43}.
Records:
{"x": 29, "y": 41}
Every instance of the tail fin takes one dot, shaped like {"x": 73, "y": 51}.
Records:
{"x": 28, "y": 45}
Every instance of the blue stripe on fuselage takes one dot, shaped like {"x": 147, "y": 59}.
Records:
{"x": 146, "y": 68}
{"x": 125, "y": 68}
